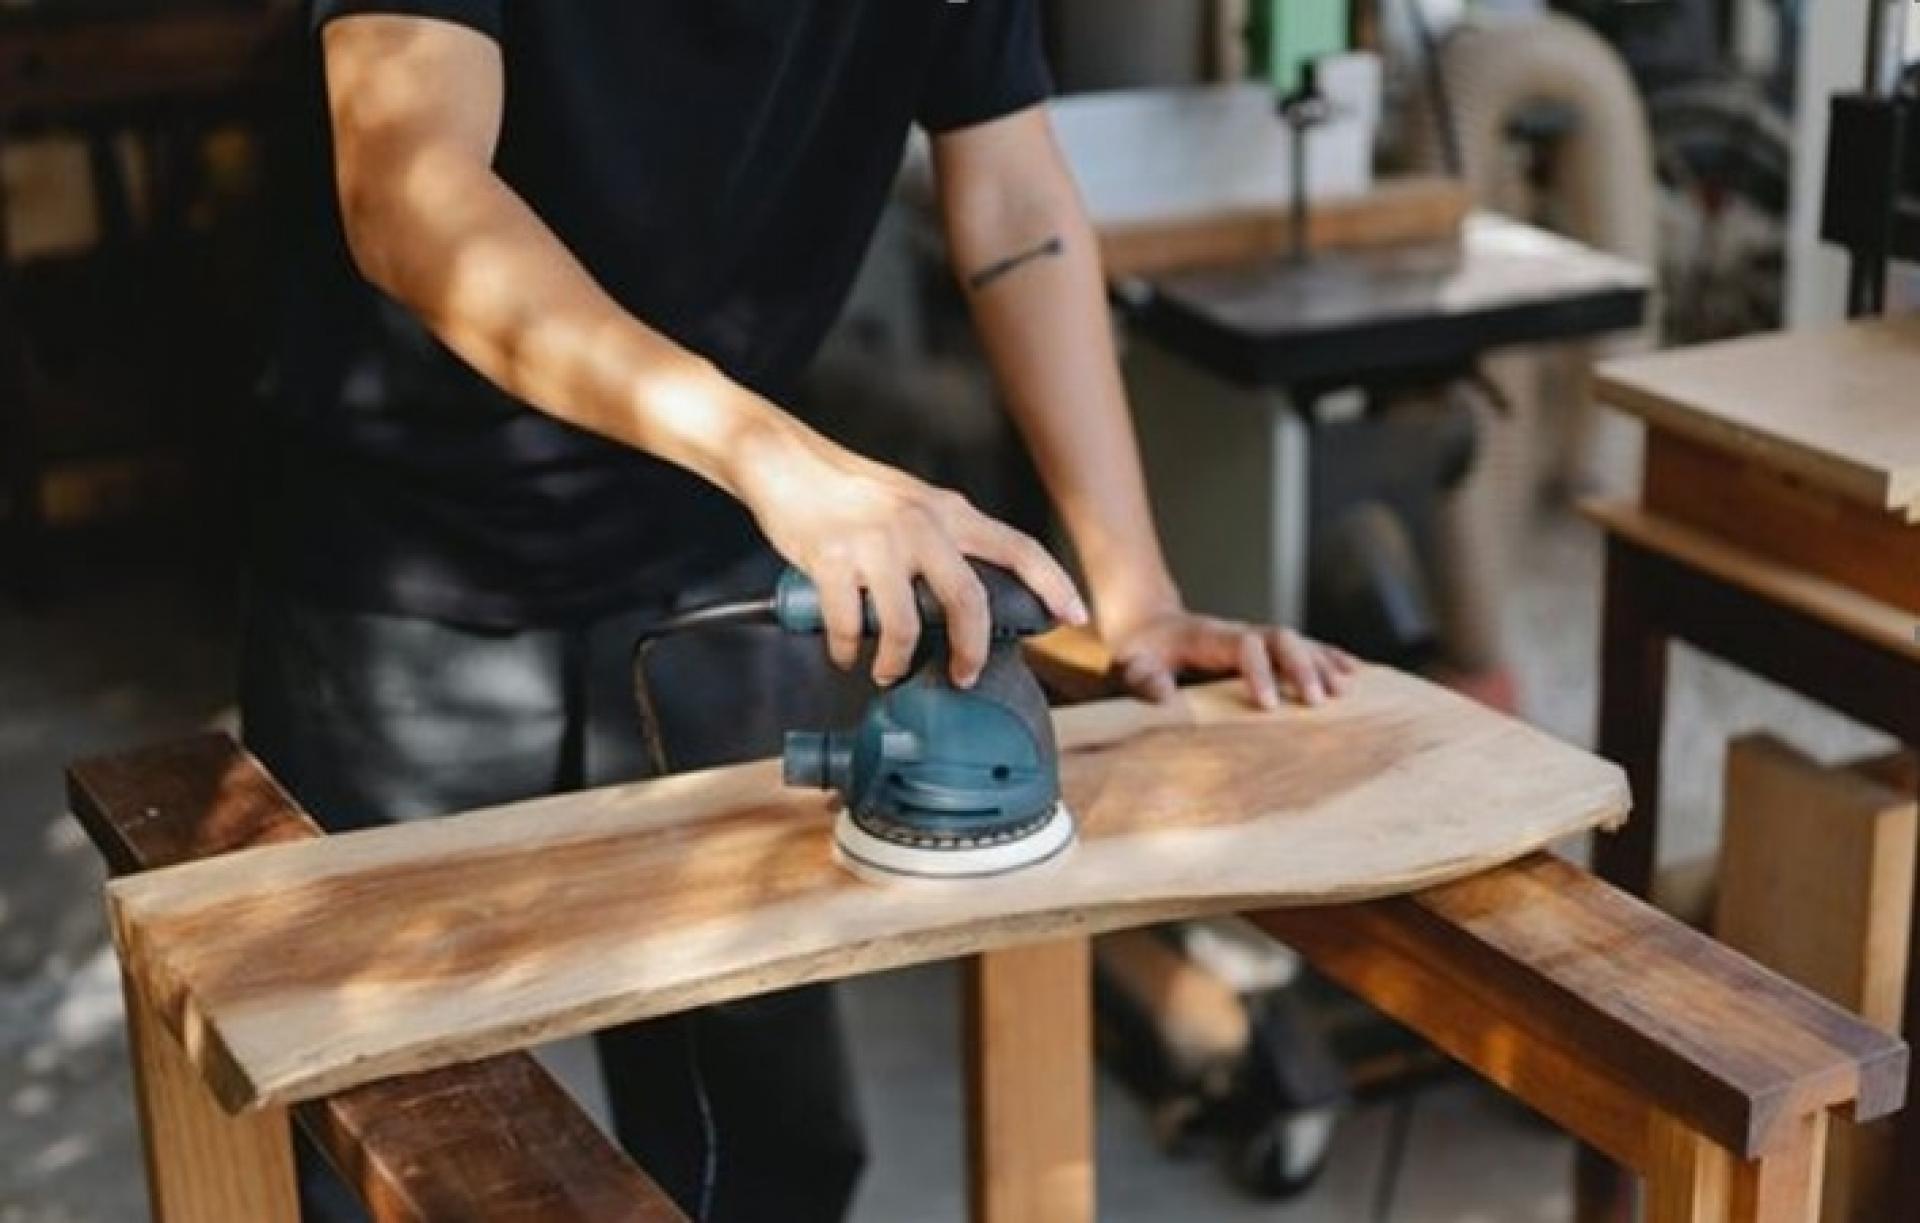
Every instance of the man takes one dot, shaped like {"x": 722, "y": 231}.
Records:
{"x": 561, "y": 260}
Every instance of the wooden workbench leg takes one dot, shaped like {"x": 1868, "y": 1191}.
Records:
{"x": 203, "y": 1165}
{"x": 1904, "y": 1189}
{"x": 1784, "y": 1187}
{"x": 1633, "y": 706}
{"x": 1689, "y": 1176}
{"x": 1029, "y": 1034}
{"x": 1633, "y": 715}
{"x": 1692, "y": 1179}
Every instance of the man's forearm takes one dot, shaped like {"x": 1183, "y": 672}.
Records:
{"x": 1028, "y": 260}
{"x": 434, "y": 227}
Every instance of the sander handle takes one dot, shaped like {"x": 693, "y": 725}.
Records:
{"x": 1015, "y": 610}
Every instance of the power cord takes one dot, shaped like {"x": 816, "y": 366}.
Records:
{"x": 722, "y": 615}
{"x": 1393, "y": 1161}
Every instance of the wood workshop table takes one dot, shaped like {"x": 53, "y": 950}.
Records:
{"x": 378, "y": 986}
{"x": 1778, "y": 529}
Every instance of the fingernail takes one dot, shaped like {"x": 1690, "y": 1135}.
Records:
{"x": 1078, "y": 615}
{"x": 1316, "y": 694}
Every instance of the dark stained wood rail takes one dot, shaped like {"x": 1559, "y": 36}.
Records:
{"x": 496, "y": 1139}
{"x": 1542, "y": 953}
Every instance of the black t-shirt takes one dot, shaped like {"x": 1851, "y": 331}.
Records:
{"x": 718, "y": 166}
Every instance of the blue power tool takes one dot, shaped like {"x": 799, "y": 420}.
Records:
{"x": 935, "y": 781}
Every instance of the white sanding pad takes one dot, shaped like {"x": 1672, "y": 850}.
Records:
{"x": 881, "y": 861}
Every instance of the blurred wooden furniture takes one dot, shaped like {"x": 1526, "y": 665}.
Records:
{"x": 1663, "y": 1048}
{"x": 140, "y": 88}
{"x": 1779, "y": 529}
{"x": 1795, "y": 828}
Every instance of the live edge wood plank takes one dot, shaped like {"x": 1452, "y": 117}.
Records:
{"x": 497, "y": 1139}
{"x": 467, "y": 936}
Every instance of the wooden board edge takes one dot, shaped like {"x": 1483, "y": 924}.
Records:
{"x": 1828, "y": 602}
{"x": 1835, "y": 473}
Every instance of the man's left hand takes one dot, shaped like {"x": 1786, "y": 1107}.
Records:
{"x": 1151, "y": 657}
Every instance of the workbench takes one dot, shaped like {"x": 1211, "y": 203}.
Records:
{"x": 1226, "y": 365}
{"x": 1778, "y": 528}
{"x": 1395, "y": 839}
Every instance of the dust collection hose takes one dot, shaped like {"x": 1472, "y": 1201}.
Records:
{"x": 1603, "y": 192}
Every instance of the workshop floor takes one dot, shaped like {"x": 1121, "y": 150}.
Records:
{"x": 132, "y": 658}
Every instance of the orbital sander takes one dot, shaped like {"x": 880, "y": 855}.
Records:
{"x": 934, "y": 781}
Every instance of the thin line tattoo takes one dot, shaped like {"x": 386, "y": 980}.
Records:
{"x": 1052, "y": 248}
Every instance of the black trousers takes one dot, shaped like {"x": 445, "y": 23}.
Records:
{"x": 743, "y": 1112}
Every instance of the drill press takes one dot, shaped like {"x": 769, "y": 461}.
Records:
{"x": 935, "y": 781}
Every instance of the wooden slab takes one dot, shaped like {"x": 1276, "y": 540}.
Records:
{"x": 1833, "y": 405}
{"x": 299, "y": 970}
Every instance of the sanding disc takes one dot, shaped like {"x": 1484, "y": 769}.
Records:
{"x": 882, "y": 861}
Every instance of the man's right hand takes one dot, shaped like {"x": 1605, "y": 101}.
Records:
{"x": 853, "y": 526}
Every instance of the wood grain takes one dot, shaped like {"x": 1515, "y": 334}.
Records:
{"x": 496, "y": 1139}
{"x": 203, "y": 1165}
{"x": 1689, "y": 1177}
{"x": 1833, "y": 405}
{"x": 1784, "y": 518}
{"x": 1029, "y": 1033}
{"x": 494, "y": 930}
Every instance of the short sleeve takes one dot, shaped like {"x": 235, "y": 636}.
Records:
{"x": 987, "y": 63}
{"x": 481, "y": 15}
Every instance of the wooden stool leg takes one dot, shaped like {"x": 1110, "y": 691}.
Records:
{"x": 1029, "y": 1025}
{"x": 203, "y": 1165}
